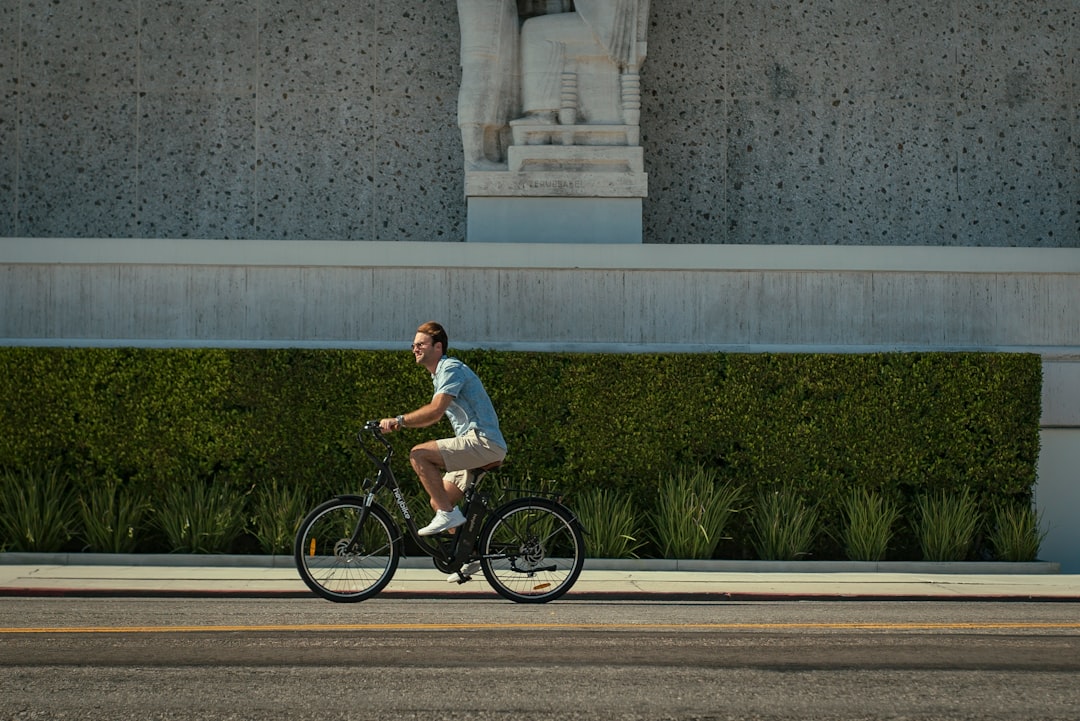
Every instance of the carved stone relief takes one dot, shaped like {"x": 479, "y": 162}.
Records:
{"x": 551, "y": 86}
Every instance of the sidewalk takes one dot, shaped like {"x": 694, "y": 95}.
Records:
{"x": 30, "y": 575}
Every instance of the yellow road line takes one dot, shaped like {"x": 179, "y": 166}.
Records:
{"x": 994, "y": 626}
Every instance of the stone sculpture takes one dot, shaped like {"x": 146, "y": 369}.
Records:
{"x": 488, "y": 97}
{"x": 535, "y": 63}
{"x": 549, "y": 111}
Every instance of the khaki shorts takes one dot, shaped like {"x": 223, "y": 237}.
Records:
{"x": 464, "y": 453}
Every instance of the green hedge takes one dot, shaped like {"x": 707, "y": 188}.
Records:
{"x": 820, "y": 424}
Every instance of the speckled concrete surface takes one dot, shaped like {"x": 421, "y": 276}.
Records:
{"x": 804, "y": 122}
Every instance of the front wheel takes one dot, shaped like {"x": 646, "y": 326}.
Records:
{"x": 531, "y": 550}
{"x": 335, "y": 566}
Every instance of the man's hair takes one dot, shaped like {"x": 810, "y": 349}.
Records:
{"x": 437, "y": 333}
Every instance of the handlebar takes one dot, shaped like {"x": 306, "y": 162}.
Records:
{"x": 373, "y": 428}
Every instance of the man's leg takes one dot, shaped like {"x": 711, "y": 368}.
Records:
{"x": 427, "y": 461}
{"x": 454, "y": 494}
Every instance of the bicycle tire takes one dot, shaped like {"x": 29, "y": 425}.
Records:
{"x": 332, "y": 570}
{"x": 531, "y": 550}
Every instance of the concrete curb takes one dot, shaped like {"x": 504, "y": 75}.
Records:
{"x": 179, "y": 560}
{"x": 489, "y": 595}
{"x": 87, "y": 575}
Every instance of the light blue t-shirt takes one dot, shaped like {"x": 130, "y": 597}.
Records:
{"x": 471, "y": 408}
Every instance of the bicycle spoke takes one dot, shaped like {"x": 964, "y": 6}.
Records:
{"x": 335, "y": 567}
{"x": 532, "y": 552}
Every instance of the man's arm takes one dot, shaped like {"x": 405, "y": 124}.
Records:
{"x": 427, "y": 415}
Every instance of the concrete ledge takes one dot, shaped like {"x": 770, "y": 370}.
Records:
{"x": 722, "y": 566}
{"x": 373, "y": 254}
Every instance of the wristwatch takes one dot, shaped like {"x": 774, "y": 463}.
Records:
{"x": 400, "y": 421}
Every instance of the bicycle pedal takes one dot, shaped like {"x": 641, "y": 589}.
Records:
{"x": 465, "y": 573}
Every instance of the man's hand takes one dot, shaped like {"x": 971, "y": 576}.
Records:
{"x": 420, "y": 418}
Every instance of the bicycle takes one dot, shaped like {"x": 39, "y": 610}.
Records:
{"x": 530, "y": 549}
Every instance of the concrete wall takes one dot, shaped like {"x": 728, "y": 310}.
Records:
{"x": 572, "y": 297}
{"x": 520, "y": 295}
{"x": 925, "y": 122}
{"x": 498, "y": 295}
{"x": 1057, "y": 494}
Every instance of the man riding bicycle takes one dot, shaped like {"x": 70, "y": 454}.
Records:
{"x": 442, "y": 465}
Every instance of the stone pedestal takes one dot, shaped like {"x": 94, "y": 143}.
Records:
{"x": 559, "y": 194}
{"x": 554, "y": 220}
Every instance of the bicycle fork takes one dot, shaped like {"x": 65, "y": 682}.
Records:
{"x": 365, "y": 511}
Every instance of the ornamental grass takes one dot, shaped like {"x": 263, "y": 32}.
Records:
{"x": 783, "y": 526}
{"x": 869, "y": 520}
{"x": 946, "y": 524}
{"x": 37, "y": 510}
{"x": 693, "y": 509}
{"x": 611, "y": 522}
{"x": 1017, "y": 533}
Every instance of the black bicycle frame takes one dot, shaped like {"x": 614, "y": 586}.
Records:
{"x": 465, "y": 539}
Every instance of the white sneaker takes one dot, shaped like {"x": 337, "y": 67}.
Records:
{"x": 443, "y": 521}
{"x": 465, "y": 574}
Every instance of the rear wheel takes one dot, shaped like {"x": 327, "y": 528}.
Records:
{"x": 338, "y": 569}
{"x": 531, "y": 550}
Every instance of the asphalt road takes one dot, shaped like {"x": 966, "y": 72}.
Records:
{"x": 467, "y": 659}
